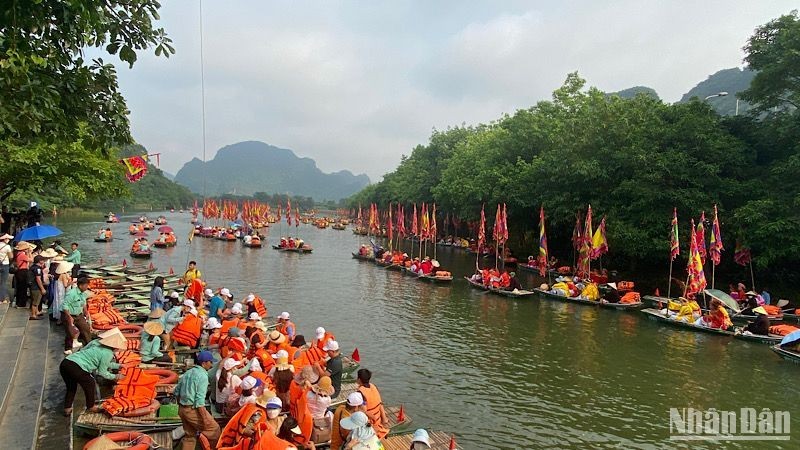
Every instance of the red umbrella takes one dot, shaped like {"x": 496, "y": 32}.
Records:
{"x": 141, "y": 234}
{"x": 165, "y": 229}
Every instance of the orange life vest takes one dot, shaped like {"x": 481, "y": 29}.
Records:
{"x": 299, "y": 410}
{"x": 233, "y": 432}
{"x": 231, "y": 323}
{"x": 782, "y": 329}
{"x": 269, "y": 441}
{"x": 135, "y": 390}
{"x": 195, "y": 292}
{"x": 327, "y": 337}
{"x": 274, "y": 348}
{"x": 261, "y": 309}
{"x": 258, "y": 337}
{"x": 308, "y": 357}
{"x": 265, "y": 359}
{"x": 188, "y": 331}
{"x": 284, "y": 329}
{"x": 374, "y": 406}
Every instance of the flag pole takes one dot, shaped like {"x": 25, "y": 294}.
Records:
{"x": 752, "y": 277}
{"x": 669, "y": 280}
{"x": 713, "y": 271}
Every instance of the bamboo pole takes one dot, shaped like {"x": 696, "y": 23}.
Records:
{"x": 669, "y": 280}
{"x": 752, "y": 277}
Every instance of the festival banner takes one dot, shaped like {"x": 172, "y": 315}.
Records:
{"x": 135, "y": 167}
{"x": 715, "y": 248}
{"x": 542, "y": 244}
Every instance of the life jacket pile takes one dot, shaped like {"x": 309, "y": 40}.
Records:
{"x": 782, "y": 329}
{"x": 188, "y": 331}
{"x": 135, "y": 390}
{"x": 772, "y": 310}
{"x": 102, "y": 311}
{"x": 631, "y": 297}
{"x": 128, "y": 358}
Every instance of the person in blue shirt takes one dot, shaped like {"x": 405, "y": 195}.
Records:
{"x": 191, "y": 392}
{"x": 215, "y": 306}
{"x": 157, "y": 299}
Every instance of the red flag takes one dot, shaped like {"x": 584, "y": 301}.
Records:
{"x": 452, "y": 443}
{"x": 151, "y": 267}
{"x": 542, "y": 244}
{"x": 715, "y": 247}
{"x": 289, "y": 211}
{"x": 355, "y": 356}
{"x": 171, "y": 270}
{"x": 497, "y": 233}
{"x": 433, "y": 224}
{"x": 482, "y": 230}
{"x": 401, "y": 221}
{"x": 124, "y": 263}
{"x": 359, "y": 221}
{"x": 577, "y": 235}
{"x": 674, "y": 244}
{"x": 742, "y": 254}
{"x": 700, "y": 237}
{"x": 414, "y": 229}
{"x": 296, "y": 217}
{"x": 401, "y": 415}
{"x": 389, "y": 230}
{"x": 504, "y": 230}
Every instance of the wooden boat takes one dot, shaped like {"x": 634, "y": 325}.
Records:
{"x": 655, "y": 314}
{"x": 252, "y": 244}
{"x": 363, "y": 257}
{"x": 93, "y": 424}
{"x": 303, "y": 249}
{"x": 439, "y": 441}
{"x": 661, "y": 302}
{"x": 97, "y": 239}
{"x": 786, "y": 354}
{"x": 143, "y": 255}
{"x": 163, "y": 244}
{"x": 501, "y": 292}
{"x": 338, "y": 226}
{"x": 584, "y": 301}
{"x": 429, "y": 278}
{"x": 791, "y": 316}
{"x": 389, "y": 265}
{"x": 524, "y": 267}
{"x": 161, "y": 220}
{"x": 112, "y": 219}
{"x": 160, "y": 440}
{"x": 149, "y": 226}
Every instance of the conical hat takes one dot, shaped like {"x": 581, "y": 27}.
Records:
{"x": 153, "y": 328}
{"x": 114, "y": 339}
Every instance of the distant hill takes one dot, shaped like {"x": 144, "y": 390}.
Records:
{"x": 636, "y": 90}
{"x": 731, "y": 81}
{"x": 249, "y": 167}
{"x": 168, "y": 175}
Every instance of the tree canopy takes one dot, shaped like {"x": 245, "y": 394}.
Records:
{"x": 633, "y": 160}
{"x": 51, "y": 98}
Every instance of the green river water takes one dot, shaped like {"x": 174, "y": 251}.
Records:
{"x": 497, "y": 373}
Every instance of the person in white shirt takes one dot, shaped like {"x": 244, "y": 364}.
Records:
{"x": 6, "y": 255}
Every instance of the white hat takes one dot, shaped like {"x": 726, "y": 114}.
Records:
{"x": 254, "y": 316}
{"x": 209, "y": 293}
{"x": 320, "y": 332}
{"x": 226, "y": 292}
{"x": 284, "y": 315}
{"x": 229, "y": 363}
{"x": 175, "y": 295}
{"x": 212, "y": 324}
{"x": 274, "y": 403}
{"x": 435, "y": 263}
{"x": 357, "y": 420}
{"x": 237, "y": 308}
{"x": 6, "y": 236}
{"x": 250, "y": 298}
{"x": 355, "y": 399}
{"x": 249, "y": 382}
{"x": 193, "y": 310}
{"x": 280, "y": 353}
{"x": 421, "y": 436}
{"x": 188, "y": 303}
{"x": 64, "y": 267}
{"x": 331, "y": 346}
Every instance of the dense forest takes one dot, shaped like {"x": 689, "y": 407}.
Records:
{"x": 634, "y": 160}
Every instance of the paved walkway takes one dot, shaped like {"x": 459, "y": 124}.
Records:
{"x": 29, "y": 358}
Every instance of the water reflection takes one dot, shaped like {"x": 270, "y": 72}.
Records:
{"x": 499, "y": 373}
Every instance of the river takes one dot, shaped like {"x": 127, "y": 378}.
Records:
{"x": 498, "y": 373}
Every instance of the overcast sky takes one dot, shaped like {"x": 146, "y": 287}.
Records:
{"x": 354, "y": 85}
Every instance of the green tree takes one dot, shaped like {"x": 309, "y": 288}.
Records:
{"x": 50, "y": 95}
{"x": 774, "y": 53}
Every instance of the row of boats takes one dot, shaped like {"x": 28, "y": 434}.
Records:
{"x": 155, "y": 426}
{"x": 781, "y": 343}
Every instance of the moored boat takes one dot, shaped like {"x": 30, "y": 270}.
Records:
{"x": 502, "y": 292}
{"x": 655, "y": 314}
{"x": 584, "y": 301}
{"x": 363, "y": 257}
{"x": 438, "y": 440}
{"x": 97, "y": 239}
{"x": 786, "y": 354}
{"x": 430, "y": 278}
{"x": 164, "y": 244}
{"x": 303, "y": 249}
{"x": 142, "y": 254}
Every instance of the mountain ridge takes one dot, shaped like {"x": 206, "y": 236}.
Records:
{"x": 262, "y": 167}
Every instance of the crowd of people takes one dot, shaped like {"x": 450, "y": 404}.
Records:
{"x": 140, "y": 245}
{"x": 274, "y": 385}
{"x": 494, "y": 278}
{"x": 291, "y": 242}
{"x": 41, "y": 276}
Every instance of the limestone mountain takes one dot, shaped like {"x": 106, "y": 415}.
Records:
{"x": 634, "y": 91}
{"x": 731, "y": 81}
{"x": 248, "y": 167}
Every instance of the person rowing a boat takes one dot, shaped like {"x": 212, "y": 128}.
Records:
{"x": 717, "y": 318}
{"x": 513, "y": 283}
{"x": 760, "y": 326}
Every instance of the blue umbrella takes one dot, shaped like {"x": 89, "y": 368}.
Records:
{"x": 37, "y": 233}
{"x": 791, "y": 337}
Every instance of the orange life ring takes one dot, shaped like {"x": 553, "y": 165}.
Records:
{"x": 166, "y": 376}
{"x": 142, "y": 440}
{"x": 144, "y": 410}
